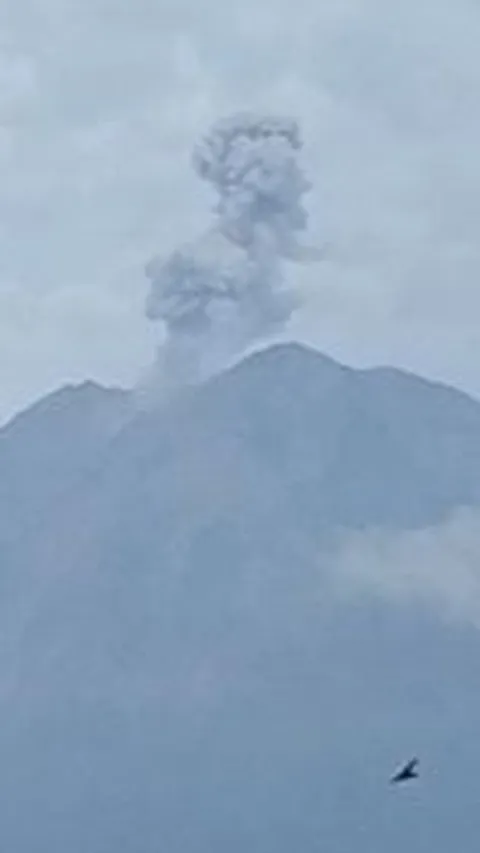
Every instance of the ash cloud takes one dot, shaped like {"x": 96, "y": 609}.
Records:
{"x": 226, "y": 291}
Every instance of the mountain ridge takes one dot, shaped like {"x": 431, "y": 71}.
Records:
{"x": 286, "y": 437}
{"x": 278, "y": 352}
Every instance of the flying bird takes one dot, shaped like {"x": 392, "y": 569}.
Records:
{"x": 407, "y": 772}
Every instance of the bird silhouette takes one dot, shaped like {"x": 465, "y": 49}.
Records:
{"x": 407, "y": 772}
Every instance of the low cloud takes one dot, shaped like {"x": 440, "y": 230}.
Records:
{"x": 437, "y": 566}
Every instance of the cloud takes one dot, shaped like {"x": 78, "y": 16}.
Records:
{"x": 224, "y": 292}
{"x": 101, "y": 102}
{"x": 438, "y": 567}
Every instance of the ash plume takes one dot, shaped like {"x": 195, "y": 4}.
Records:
{"x": 226, "y": 291}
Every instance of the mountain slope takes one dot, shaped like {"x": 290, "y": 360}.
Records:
{"x": 284, "y": 448}
{"x": 176, "y": 669}
{"x": 44, "y": 450}
{"x": 333, "y": 445}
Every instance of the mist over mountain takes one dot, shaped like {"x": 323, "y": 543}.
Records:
{"x": 179, "y": 669}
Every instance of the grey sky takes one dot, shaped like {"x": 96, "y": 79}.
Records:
{"x": 100, "y": 103}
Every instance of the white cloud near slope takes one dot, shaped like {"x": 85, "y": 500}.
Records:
{"x": 438, "y": 567}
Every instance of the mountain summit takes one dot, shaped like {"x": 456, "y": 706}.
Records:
{"x": 287, "y": 436}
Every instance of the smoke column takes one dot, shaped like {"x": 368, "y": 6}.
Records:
{"x": 226, "y": 291}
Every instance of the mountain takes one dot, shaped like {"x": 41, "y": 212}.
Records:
{"x": 287, "y": 431}
{"x": 47, "y": 448}
{"x": 177, "y": 670}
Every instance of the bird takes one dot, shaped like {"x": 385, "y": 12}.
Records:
{"x": 407, "y": 772}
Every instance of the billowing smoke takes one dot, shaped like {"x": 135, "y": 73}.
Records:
{"x": 227, "y": 290}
